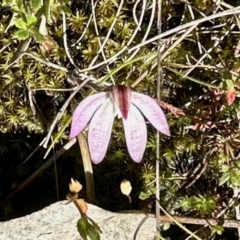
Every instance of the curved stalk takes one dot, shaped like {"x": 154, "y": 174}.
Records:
{"x": 87, "y": 165}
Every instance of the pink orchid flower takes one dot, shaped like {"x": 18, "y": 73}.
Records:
{"x": 100, "y": 110}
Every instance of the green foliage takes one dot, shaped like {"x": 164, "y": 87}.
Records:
{"x": 205, "y": 204}
{"x": 230, "y": 175}
{"x": 206, "y": 135}
{"x": 88, "y": 228}
{"x": 30, "y": 17}
{"x": 217, "y": 229}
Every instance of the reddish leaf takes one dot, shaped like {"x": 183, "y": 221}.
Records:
{"x": 231, "y": 96}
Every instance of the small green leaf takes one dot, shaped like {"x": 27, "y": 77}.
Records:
{"x": 225, "y": 168}
{"x": 186, "y": 203}
{"x": 52, "y": 2}
{"x": 66, "y": 10}
{"x": 20, "y": 5}
{"x": 7, "y": 2}
{"x": 21, "y": 34}
{"x": 234, "y": 177}
{"x": 93, "y": 233}
{"x": 224, "y": 178}
{"x": 115, "y": 3}
{"x": 94, "y": 224}
{"x": 152, "y": 190}
{"x": 20, "y": 23}
{"x": 217, "y": 229}
{"x": 149, "y": 192}
{"x": 82, "y": 227}
{"x": 46, "y": 9}
{"x": 144, "y": 195}
{"x": 40, "y": 12}
{"x": 35, "y": 5}
{"x": 229, "y": 83}
{"x": 21, "y": 48}
{"x": 31, "y": 20}
{"x": 23, "y": 16}
{"x": 205, "y": 204}
{"x": 166, "y": 226}
{"x": 37, "y": 35}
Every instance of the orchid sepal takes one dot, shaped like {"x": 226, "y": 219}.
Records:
{"x": 152, "y": 111}
{"x": 84, "y": 112}
{"x": 135, "y": 133}
{"x": 100, "y": 130}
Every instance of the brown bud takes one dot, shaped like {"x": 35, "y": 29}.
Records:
{"x": 75, "y": 186}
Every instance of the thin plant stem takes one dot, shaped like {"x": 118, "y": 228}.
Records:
{"x": 88, "y": 170}
{"x": 162, "y": 35}
{"x": 61, "y": 112}
{"x": 159, "y": 78}
{"x": 56, "y": 174}
{"x": 87, "y": 164}
{"x": 144, "y": 3}
{"x": 186, "y": 25}
{"x": 65, "y": 40}
{"x": 101, "y": 46}
{"x": 179, "y": 224}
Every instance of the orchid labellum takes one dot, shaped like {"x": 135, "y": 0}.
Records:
{"x": 100, "y": 110}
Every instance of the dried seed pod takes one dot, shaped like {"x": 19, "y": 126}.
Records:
{"x": 125, "y": 187}
{"x": 75, "y": 186}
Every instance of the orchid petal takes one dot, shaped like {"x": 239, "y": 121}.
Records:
{"x": 135, "y": 133}
{"x": 100, "y": 131}
{"x": 152, "y": 111}
{"x": 85, "y": 111}
{"x": 121, "y": 95}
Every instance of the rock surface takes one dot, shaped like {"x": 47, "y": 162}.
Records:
{"x": 58, "y": 221}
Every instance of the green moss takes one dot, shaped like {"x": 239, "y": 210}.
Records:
{"x": 208, "y": 130}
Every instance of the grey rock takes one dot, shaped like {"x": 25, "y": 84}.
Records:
{"x": 58, "y": 222}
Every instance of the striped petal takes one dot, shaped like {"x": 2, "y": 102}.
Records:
{"x": 121, "y": 95}
{"x": 100, "y": 131}
{"x": 151, "y": 111}
{"x": 84, "y": 112}
{"x": 135, "y": 133}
